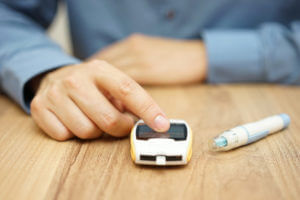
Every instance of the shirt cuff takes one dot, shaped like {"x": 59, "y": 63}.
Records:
{"x": 233, "y": 56}
{"x": 16, "y": 72}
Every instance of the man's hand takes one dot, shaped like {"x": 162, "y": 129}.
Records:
{"x": 155, "y": 61}
{"x": 90, "y": 98}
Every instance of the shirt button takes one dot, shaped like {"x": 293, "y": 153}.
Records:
{"x": 170, "y": 14}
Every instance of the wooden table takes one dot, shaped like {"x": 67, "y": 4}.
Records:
{"x": 33, "y": 166}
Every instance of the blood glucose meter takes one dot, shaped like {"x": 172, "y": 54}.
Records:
{"x": 173, "y": 147}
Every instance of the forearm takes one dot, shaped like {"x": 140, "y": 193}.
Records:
{"x": 268, "y": 54}
{"x": 25, "y": 52}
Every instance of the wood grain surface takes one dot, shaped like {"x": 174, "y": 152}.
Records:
{"x": 33, "y": 166}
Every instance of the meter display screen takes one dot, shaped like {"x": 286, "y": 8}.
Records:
{"x": 176, "y": 132}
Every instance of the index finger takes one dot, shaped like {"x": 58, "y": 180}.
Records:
{"x": 132, "y": 95}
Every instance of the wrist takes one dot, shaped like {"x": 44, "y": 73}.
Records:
{"x": 199, "y": 60}
{"x": 31, "y": 87}
{"x": 203, "y": 61}
{"x": 34, "y": 83}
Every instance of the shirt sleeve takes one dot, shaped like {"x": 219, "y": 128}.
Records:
{"x": 269, "y": 54}
{"x": 25, "y": 49}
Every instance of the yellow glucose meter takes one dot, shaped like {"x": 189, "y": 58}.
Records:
{"x": 173, "y": 147}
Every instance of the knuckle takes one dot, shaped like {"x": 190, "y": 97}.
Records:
{"x": 59, "y": 134}
{"x": 135, "y": 42}
{"x": 53, "y": 93}
{"x": 135, "y": 37}
{"x": 110, "y": 121}
{"x": 85, "y": 130}
{"x": 127, "y": 87}
{"x": 36, "y": 104}
{"x": 71, "y": 82}
{"x": 62, "y": 136}
{"x": 147, "y": 107}
{"x": 97, "y": 64}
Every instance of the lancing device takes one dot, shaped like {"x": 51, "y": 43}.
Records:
{"x": 251, "y": 132}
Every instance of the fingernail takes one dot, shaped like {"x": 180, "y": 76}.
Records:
{"x": 161, "y": 123}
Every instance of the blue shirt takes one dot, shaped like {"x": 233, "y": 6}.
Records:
{"x": 246, "y": 40}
